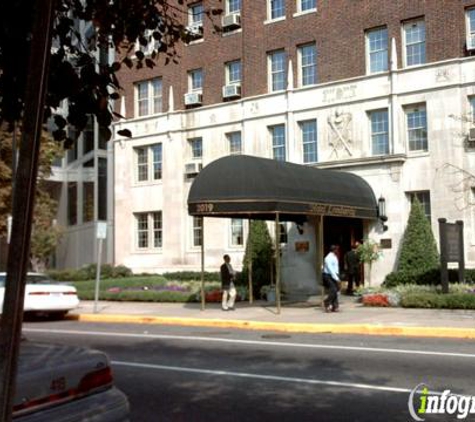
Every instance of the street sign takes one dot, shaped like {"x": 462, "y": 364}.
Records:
{"x": 101, "y": 230}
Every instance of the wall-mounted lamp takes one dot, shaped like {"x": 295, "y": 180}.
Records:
{"x": 382, "y": 212}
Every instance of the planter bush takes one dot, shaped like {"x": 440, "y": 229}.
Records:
{"x": 439, "y": 301}
{"x": 429, "y": 277}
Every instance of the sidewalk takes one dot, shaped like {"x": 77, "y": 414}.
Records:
{"x": 294, "y": 317}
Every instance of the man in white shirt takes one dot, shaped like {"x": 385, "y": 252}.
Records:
{"x": 227, "y": 284}
{"x": 331, "y": 279}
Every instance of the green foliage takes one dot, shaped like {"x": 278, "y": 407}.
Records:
{"x": 419, "y": 250}
{"x": 88, "y": 272}
{"x": 429, "y": 277}
{"x": 368, "y": 251}
{"x": 440, "y": 301}
{"x": 259, "y": 251}
{"x": 191, "y": 275}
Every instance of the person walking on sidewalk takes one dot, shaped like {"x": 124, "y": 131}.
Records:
{"x": 331, "y": 279}
{"x": 227, "y": 284}
{"x": 352, "y": 265}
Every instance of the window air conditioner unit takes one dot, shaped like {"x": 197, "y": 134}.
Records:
{"x": 195, "y": 30}
{"x": 193, "y": 98}
{"x": 232, "y": 91}
{"x": 232, "y": 21}
{"x": 192, "y": 169}
{"x": 471, "y": 138}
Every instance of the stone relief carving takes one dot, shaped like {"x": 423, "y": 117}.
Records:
{"x": 339, "y": 132}
{"x": 443, "y": 75}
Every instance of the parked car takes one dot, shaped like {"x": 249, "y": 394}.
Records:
{"x": 66, "y": 384}
{"x": 44, "y": 296}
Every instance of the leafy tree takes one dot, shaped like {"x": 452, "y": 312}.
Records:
{"x": 368, "y": 253}
{"x": 45, "y": 234}
{"x": 76, "y": 73}
{"x": 419, "y": 249}
{"x": 258, "y": 252}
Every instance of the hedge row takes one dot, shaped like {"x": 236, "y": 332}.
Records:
{"x": 88, "y": 272}
{"x": 430, "y": 277}
{"x": 439, "y": 301}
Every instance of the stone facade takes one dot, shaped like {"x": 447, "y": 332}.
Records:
{"x": 341, "y": 103}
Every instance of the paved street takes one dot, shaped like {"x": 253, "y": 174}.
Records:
{"x": 203, "y": 374}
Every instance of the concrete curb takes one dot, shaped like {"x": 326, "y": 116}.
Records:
{"x": 313, "y": 328}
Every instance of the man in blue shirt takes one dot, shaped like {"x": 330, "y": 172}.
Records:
{"x": 331, "y": 279}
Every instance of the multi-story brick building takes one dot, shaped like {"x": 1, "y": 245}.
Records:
{"x": 382, "y": 89}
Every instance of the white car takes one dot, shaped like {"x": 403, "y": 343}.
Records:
{"x": 44, "y": 296}
{"x": 57, "y": 383}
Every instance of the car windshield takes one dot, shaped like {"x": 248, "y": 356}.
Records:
{"x": 30, "y": 279}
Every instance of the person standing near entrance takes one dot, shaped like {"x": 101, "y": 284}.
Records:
{"x": 352, "y": 266}
{"x": 331, "y": 279}
{"x": 227, "y": 284}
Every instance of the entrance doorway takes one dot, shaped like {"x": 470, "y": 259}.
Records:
{"x": 341, "y": 231}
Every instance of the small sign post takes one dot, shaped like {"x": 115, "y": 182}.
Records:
{"x": 451, "y": 250}
{"x": 101, "y": 234}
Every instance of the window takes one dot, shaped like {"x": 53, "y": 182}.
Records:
{"x": 377, "y": 50}
{"x": 417, "y": 128}
{"x": 151, "y": 43}
{"x": 424, "y": 198}
{"x": 88, "y": 136}
{"x": 234, "y": 140}
{"x": 149, "y": 97}
{"x": 415, "y": 42}
{"x": 195, "y": 14}
{"x": 102, "y": 189}
{"x": 237, "y": 232}
{"x": 306, "y": 5}
{"x": 470, "y": 20}
{"x": 308, "y": 64}
{"x": 149, "y": 162}
{"x": 197, "y": 231}
{"x": 195, "y": 80}
{"x": 276, "y": 9}
{"x": 472, "y": 109}
{"x": 196, "y": 145}
{"x": 233, "y": 6}
{"x": 283, "y": 233}
{"x": 309, "y": 141}
{"x": 278, "y": 142}
{"x": 233, "y": 72}
{"x": 88, "y": 191}
{"x": 379, "y": 132}
{"x": 149, "y": 229}
{"x": 277, "y": 70}
{"x": 72, "y": 203}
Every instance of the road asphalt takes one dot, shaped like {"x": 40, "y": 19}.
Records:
{"x": 296, "y": 317}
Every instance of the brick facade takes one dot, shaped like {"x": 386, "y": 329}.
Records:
{"x": 337, "y": 27}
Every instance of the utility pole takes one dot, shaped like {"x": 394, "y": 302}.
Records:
{"x": 23, "y": 201}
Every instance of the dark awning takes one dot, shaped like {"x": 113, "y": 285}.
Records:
{"x": 242, "y": 186}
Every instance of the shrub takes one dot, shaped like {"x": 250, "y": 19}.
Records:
{"x": 429, "y": 277}
{"x": 88, "y": 272}
{"x": 258, "y": 251}
{"x": 437, "y": 300}
{"x": 419, "y": 249}
{"x": 191, "y": 275}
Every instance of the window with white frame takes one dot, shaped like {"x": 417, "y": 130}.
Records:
{"x": 377, "y": 50}
{"x": 306, "y": 5}
{"x": 149, "y": 97}
{"x": 195, "y": 14}
{"x": 233, "y": 72}
{"x": 233, "y": 6}
{"x": 276, "y": 9}
{"x": 147, "y": 44}
{"x": 149, "y": 230}
{"x": 416, "y": 118}
{"x": 470, "y": 24}
{"x": 195, "y": 80}
{"x": 277, "y": 70}
{"x": 196, "y": 147}
{"x": 424, "y": 198}
{"x": 148, "y": 161}
{"x": 237, "y": 232}
{"x": 415, "y": 42}
{"x": 234, "y": 141}
{"x": 277, "y": 133}
{"x": 379, "y": 132}
{"x": 197, "y": 231}
{"x": 283, "y": 233}
{"x": 308, "y": 64}
{"x": 308, "y": 129}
